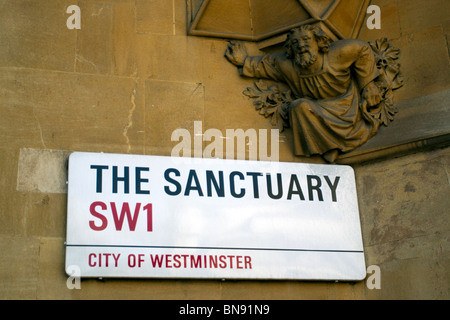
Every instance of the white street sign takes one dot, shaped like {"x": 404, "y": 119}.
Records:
{"x": 163, "y": 217}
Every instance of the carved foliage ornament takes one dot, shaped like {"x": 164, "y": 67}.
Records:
{"x": 333, "y": 95}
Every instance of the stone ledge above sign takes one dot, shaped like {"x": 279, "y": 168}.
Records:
{"x": 422, "y": 123}
{"x": 258, "y": 20}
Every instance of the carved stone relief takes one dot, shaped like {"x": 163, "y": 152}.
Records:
{"x": 334, "y": 95}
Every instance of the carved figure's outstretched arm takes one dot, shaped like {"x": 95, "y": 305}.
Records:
{"x": 236, "y": 53}
{"x": 261, "y": 67}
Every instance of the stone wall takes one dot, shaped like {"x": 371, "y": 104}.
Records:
{"x": 130, "y": 77}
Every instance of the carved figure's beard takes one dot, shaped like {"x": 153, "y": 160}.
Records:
{"x": 305, "y": 59}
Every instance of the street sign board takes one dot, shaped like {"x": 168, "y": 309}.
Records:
{"x": 136, "y": 216}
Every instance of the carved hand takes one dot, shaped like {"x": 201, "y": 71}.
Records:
{"x": 372, "y": 94}
{"x": 236, "y": 53}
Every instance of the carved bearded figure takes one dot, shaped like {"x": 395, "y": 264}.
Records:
{"x": 332, "y": 85}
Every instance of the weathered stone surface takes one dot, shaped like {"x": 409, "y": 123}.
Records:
{"x": 155, "y": 17}
{"x": 426, "y": 61}
{"x": 405, "y": 223}
{"x": 34, "y": 35}
{"x": 95, "y": 39}
{"x": 19, "y": 267}
{"x": 70, "y": 111}
{"x": 165, "y": 99}
{"x": 42, "y": 171}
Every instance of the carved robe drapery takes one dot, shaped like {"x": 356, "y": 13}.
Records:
{"x": 328, "y": 113}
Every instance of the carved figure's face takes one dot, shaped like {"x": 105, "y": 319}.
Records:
{"x": 305, "y": 48}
